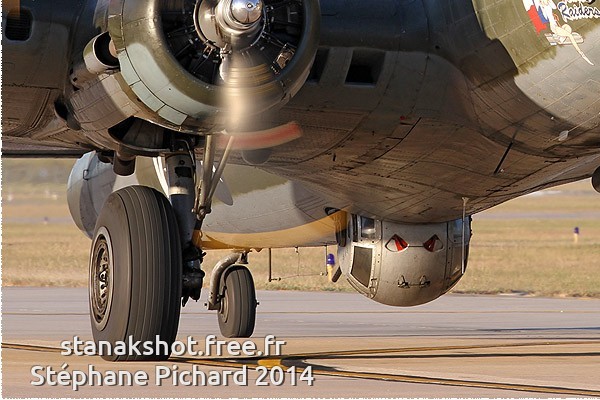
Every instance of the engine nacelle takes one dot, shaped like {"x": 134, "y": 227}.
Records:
{"x": 91, "y": 182}
{"x": 172, "y": 54}
{"x": 400, "y": 264}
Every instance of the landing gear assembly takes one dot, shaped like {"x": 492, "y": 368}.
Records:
{"x": 146, "y": 256}
{"x": 233, "y": 296}
{"x": 135, "y": 271}
{"x": 232, "y": 291}
{"x": 144, "y": 262}
{"x": 237, "y": 304}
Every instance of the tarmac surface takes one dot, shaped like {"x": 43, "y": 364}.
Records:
{"x": 457, "y": 346}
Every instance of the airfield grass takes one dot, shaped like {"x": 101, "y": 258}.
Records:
{"x": 516, "y": 248}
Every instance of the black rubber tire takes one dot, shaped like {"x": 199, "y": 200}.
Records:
{"x": 237, "y": 314}
{"x": 146, "y": 277}
{"x": 596, "y": 180}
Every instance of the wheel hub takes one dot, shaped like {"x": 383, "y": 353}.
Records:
{"x": 224, "y": 308}
{"x": 101, "y": 277}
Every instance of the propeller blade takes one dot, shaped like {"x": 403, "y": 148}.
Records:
{"x": 262, "y": 139}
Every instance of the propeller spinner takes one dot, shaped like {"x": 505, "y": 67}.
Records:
{"x": 246, "y": 11}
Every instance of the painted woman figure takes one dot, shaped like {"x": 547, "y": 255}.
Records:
{"x": 564, "y": 31}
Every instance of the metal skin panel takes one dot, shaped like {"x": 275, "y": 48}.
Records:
{"x": 411, "y": 265}
{"x": 35, "y": 71}
{"x": 266, "y": 211}
{"x": 462, "y": 108}
{"x": 102, "y": 104}
{"x": 411, "y": 276}
{"x": 471, "y": 101}
{"x": 42, "y": 60}
{"x": 84, "y": 201}
{"x": 90, "y": 183}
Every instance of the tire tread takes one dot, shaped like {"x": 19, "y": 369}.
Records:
{"x": 154, "y": 269}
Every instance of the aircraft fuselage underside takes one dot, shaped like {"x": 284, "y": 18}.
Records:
{"x": 380, "y": 126}
{"x": 409, "y": 107}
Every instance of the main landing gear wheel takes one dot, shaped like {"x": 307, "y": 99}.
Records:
{"x": 135, "y": 271}
{"x": 237, "y": 311}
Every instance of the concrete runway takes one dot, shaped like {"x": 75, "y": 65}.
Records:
{"x": 457, "y": 346}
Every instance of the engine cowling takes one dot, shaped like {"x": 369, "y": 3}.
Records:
{"x": 400, "y": 264}
{"x": 171, "y": 54}
{"x": 91, "y": 182}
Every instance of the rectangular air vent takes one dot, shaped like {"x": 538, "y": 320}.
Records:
{"x": 319, "y": 65}
{"x": 18, "y": 24}
{"x": 365, "y": 67}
